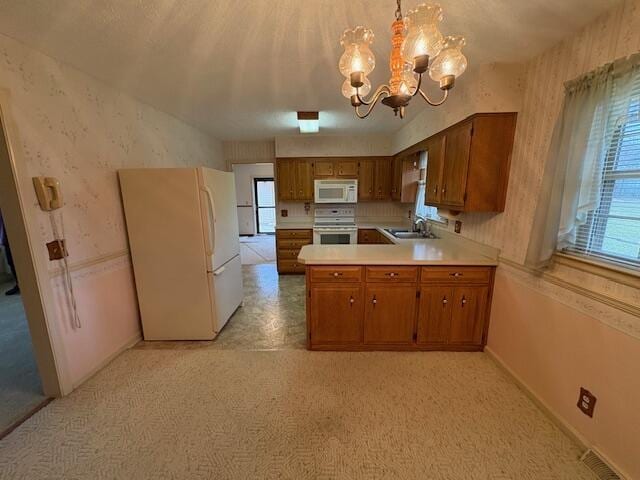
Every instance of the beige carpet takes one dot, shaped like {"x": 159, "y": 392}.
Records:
{"x": 224, "y": 414}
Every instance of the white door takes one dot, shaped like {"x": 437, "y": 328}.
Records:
{"x": 221, "y": 192}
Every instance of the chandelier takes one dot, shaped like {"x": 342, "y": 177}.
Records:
{"x": 417, "y": 46}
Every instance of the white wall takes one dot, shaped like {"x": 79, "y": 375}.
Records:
{"x": 71, "y": 126}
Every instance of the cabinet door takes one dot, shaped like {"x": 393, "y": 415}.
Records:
{"x": 435, "y": 163}
{"x": 396, "y": 181}
{"x": 366, "y": 174}
{"x": 382, "y": 179}
{"x": 285, "y": 179}
{"x": 336, "y": 313}
{"x": 346, "y": 168}
{"x": 468, "y": 315}
{"x": 304, "y": 180}
{"x": 389, "y": 313}
{"x": 323, "y": 168}
{"x": 435, "y": 315}
{"x": 456, "y": 165}
{"x": 409, "y": 178}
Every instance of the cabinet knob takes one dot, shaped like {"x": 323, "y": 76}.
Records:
{"x": 351, "y": 301}
{"x": 444, "y": 300}
{"x": 391, "y": 274}
{"x": 464, "y": 301}
{"x": 374, "y": 301}
{"x": 455, "y": 274}
{"x": 435, "y": 190}
{"x": 337, "y": 274}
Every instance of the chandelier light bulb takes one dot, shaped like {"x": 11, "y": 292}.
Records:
{"x": 348, "y": 90}
{"x": 423, "y": 36}
{"x": 357, "y": 56}
{"x": 451, "y": 61}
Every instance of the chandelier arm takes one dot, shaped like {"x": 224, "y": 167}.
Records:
{"x": 382, "y": 89}
{"x": 417, "y": 90}
{"x": 431, "y": 102}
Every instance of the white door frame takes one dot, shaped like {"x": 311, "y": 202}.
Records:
{"x": 30, "y": 260}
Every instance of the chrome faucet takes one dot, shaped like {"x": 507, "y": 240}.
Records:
{"x": 420, "y": 225}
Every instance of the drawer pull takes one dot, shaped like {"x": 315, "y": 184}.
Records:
{"x": 337, "y": 274}
{"x": 392, "y": 274}
{"x": 444, "y": 300}
{"x": 456, "y": 274}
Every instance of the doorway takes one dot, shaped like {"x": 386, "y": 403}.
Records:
{"x": 265, "y": 195}
{"x": 29, "y": 374}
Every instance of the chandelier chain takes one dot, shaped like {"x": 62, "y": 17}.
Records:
{"x": 399, "y": 10}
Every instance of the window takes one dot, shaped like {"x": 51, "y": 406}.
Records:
{"x": 611, "y": 231}
{"x": 422, "y": 210}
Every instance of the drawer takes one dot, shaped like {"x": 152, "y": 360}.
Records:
{"x": 293, "y": 244}
{"x": 456, "y": 274}
{"x": 392, "y": 274}
{"x": 290, "y": 266}
{"x": 336, "y": 274}
{"x": 288, "y": 254}
{"x": 293, "y": 234}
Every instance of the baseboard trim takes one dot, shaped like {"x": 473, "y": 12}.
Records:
{"x": 541, "y": 404}
{"x": 125, "y": 346}
{"x": 25, "y": 417}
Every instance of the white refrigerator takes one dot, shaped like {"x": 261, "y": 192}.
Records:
{"x": 183, "y": 236}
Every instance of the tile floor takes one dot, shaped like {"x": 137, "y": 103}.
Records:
{"x": 258, "y": 249}
{"x": 271, "y": 318}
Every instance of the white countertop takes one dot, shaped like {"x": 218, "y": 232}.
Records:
{"x": 421, "y": 252}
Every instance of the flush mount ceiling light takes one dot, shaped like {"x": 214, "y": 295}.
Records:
{"x": 417, "y": 46}
{"x": 308, "y": 122}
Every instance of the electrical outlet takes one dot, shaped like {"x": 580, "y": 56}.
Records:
{"x": 57, "y": 250}
{"x": 284, "y": 213}
{"x": 586, "y": 402}
{"x": 458, "y": 226}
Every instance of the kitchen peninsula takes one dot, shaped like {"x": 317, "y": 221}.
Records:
{"x": 423, "y": 294}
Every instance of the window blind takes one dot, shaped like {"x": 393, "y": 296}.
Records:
{"x": 611, "y": 230}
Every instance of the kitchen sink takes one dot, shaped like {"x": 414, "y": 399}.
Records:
{"x": 408, "y": 235}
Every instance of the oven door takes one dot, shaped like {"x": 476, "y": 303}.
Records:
{"x": 333, "y": 236}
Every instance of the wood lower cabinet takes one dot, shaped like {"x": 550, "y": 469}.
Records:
{"x": 335, "y": 313}
{"x": 390, "y": 313}
{"x": 398, "y": 307}
{"x": 288, "y": 245}
{"x": 371, "y": 236}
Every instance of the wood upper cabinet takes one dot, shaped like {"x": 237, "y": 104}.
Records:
{"x": 389, "y": 313}
{"x": 346, "y": 168}
{"x": 285, "y": 179}
{"x": 382, "y": 178}
{"x": 294, "y": 179}
{"x": 304, "y": 180}
{"x": 405, "y": 177}
{"x": 336, "y": 312}
{"x": 456, "y": 163}
{"x": 396, "y": 182}
{"x": 468, "y": 163}
{"x": 435, "y": 163}
{"x": 323, "y": 168}
{"x": 366, "y": 176}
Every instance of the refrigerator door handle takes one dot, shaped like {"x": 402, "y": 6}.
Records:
{"x": 212, "y": 210}
{"x": 219, "y": 271}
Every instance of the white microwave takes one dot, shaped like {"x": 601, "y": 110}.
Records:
{"x": 335, "y": 191}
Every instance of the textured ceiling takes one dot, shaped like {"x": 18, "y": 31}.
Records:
{"x": 240, "y": 68}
